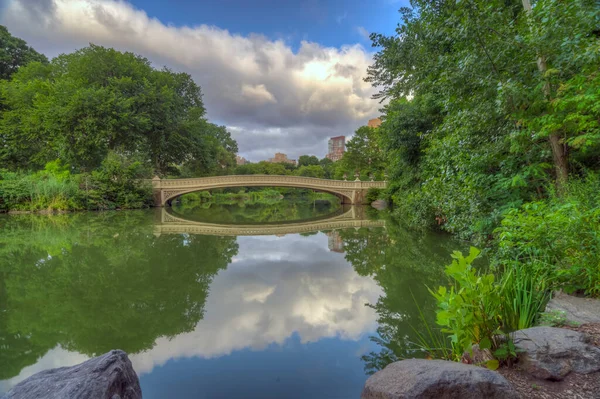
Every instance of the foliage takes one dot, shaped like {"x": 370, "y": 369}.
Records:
{"x": 560, "y": 235}
{"x": 15, "y": 53}
{"x": 473, "y": 128}
{"x": 116, "y": 184}
{"x": 362, "y": 155}
{"x": 311, "y": 171}
{"x": 482, "y": 308}
{"x": 308, "y": 160}
{"x": 555, "y": 318}
{"x": 96, "y": 100}
{"x": 261, "y": 168}
{"x": 373, "y": 194}
{"x": 470, "y": 310}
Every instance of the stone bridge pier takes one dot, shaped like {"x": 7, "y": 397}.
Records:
{"x": 350, "y": 192}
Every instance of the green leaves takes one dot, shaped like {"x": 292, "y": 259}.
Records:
{"x": 96, "y": 100}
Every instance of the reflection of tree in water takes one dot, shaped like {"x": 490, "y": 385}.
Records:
{"x": 96, "y": 282}
{"x": 296, "y": 208}
{"x": 404, "y": 263}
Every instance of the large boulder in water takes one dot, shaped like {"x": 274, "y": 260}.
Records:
{"x": 552, "y": 353}
{"x": 110, "y": 376}
{"x": 435, "y": 379}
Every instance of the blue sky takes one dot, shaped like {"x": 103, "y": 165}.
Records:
{"x": 282, "y": 76}
{"x": 328, "y": 22}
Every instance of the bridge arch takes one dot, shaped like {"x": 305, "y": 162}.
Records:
{"x": 348, "y": 217}
{"x": 351, "y": 192}
{"x": 344, "y": 197}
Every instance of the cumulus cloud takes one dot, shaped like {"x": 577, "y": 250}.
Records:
{"x": 257, "y": 86}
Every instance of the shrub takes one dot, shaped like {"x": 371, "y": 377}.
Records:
{"x": 373, "y": 194}
{"x": 482, "y": 308}
{"x": 560, "y": 235}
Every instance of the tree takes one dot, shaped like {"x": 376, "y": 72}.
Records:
{"x": 328, "y": 167}
{"x": 307, "y": 160}
{"x": 363, "y": 154}
{"x": 473, "y": 126}
{"x": 311, "y": 171}
{"x": 15, "y": 53}
{"x": 95, "y": 100}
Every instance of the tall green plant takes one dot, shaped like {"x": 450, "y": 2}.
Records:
{"x": 470, "y": 309}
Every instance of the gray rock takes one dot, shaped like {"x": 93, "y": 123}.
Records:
{"x": 436, "y": 379}
{"x": 579, "y": 310}
{"x": 110, "y": 376}
{"x": 552, "y": 353}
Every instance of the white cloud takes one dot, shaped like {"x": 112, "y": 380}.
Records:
{"x": 250, "y": 82}
{"x": 363, "y": 33}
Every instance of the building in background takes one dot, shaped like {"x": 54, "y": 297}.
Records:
{"x": 335, "y": 242}
{"x": 374, "y": 122}
{"x": 282, "y": 158}
{"x": 240, "y": 160}
{"x": 336, "y": 147}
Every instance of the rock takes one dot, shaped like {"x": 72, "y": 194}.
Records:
{"x": 419, "y": 378}
{"x": 110, "y": 376}
{"x": 552, "y": 353}
{"x": 379, "y": 204}
{"x": 579, "y": 310}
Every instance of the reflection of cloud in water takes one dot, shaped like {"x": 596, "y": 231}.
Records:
{"x": 57, "y": 357}
{"x": 275, "y": 287}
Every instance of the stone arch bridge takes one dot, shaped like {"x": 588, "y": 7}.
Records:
{"x": 347, "y": 217}
{"x": 350, "y": 192}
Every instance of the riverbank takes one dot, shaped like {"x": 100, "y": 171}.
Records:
{"x": 117, "y": 184}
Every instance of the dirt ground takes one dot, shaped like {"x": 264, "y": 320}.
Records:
{"x": 573, "y": 386}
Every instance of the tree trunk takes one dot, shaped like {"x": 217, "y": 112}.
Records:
{"x": 559, "y": 151}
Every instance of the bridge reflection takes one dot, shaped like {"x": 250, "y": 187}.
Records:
{"x": 348, "y": 217}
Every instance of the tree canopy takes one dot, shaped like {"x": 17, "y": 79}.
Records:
{"x": 488, "y": 101}
{"x": 14, "y": 53}
{"x": 82, "y": 105}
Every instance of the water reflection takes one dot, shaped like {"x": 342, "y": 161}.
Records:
{"x": 275, "y": 313}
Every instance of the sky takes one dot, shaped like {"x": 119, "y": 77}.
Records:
{"x": 283, "y": 76}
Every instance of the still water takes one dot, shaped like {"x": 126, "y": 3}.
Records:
{"x": 296, "y": 299}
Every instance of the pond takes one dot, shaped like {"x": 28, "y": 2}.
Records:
{"x": 304, "y": 303}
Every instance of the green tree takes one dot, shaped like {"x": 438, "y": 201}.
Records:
{"x": 311, "y": 171}
{"x": 308, "y": 160}
{"x": 473, "y": 124}
{"x": 363, "y": 154}
{"x": 95, "y": 100}
{"x": 15, "y": 53}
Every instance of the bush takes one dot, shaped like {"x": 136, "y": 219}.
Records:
{"x": 561, "y": 235}
{"x": 373, "y": 194}
{"x": 117, "y": 184}
{"x": 482, "y": 308}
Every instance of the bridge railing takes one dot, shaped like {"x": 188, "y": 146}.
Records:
{"x": 266, "y": 179}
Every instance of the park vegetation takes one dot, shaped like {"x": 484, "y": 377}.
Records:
{"x": 491, "y": 132}
{"x": 79, "y": 131}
